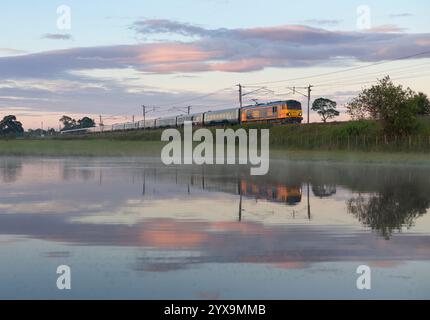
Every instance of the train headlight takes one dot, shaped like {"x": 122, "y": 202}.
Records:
{"x": 300, "y": 114}
{"x": 289, "y": 114}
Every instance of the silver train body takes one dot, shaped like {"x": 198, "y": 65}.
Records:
{"x": 210, "y": 118}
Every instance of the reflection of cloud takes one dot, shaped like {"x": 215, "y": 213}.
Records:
{"x": 292, "y": 265}
{"x": 57, "y": 254}
{"x": 208, "y": 295}
{"x": 172, "y": 239}
{"x": 385, "y": 263}
{"x": 281, "y": 246}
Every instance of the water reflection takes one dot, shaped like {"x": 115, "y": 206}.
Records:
{"x": 396, "y": 206}
{"x": 10, "y": 169}
{"x": 300, "y": 214}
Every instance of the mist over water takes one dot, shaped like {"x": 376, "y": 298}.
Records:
{"x": 133, "y": 228}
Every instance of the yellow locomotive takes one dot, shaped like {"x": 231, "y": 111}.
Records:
{"x": 288, "y": 111}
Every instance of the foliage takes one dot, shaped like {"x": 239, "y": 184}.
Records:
{"x": 10, "y": 125}
{"x": 86, "y": 122}
{"x": 41, "y": 132}
{"x": 391, "y": 104}
{"x": 358, "y": 128}
{"x": 421, "y": 101}
{"x": 326, "y": 108}
{"x": 70, "y": 123}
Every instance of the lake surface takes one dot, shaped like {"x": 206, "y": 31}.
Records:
{"x": 135, "y": 229}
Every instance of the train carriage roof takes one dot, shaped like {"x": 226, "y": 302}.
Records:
{"x": 223, "y": 110}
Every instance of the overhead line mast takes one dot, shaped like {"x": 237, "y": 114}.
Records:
{"x": 308, "y": 96}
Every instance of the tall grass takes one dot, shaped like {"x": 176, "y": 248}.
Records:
{"x": 353, "y": 135}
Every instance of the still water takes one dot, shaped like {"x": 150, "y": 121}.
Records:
{"x": 132, "y": 228}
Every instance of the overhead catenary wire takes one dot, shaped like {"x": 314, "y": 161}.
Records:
{"x": 363, "y": 77}
{"x": 342, "y": 70}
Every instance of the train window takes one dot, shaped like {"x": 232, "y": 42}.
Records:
{"x": 294, "y": 105}
{"x": 249, "y": 114}
{"x": 275, "y": 109}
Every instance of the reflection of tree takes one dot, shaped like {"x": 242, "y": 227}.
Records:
{"x": 10, "y": 170}
{"x": 324, "y": 190}
{"x": 394, "y": 207}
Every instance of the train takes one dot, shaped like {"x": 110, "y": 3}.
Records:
{"x": 285, "y": 111}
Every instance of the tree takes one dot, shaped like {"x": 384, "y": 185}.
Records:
{"x": 326, "y": 108}
{"x": 389, "y": 103}
{"x": 86, "y": 122}
{"x": 68, "y": 123}
{"x": 9, "y": 125}
{"x": 422, "y": 103}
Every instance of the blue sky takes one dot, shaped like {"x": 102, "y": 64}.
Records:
{"x": 120, "y": 54}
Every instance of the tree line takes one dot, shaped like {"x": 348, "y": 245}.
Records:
{"x": 396, "y": 107}
{"x": 10, "y": 126}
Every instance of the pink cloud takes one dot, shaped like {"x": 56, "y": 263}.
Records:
{"x": 173, "y": 53}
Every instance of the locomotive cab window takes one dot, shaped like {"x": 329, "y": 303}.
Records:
{"x": 275, "y": 109}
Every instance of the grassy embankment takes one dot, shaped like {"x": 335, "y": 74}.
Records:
{"x": 361, "y": 141}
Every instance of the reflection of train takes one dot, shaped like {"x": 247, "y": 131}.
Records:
{"x": 269, "y": 190}
{"x": 272, "y": 192}
{"x": 288, "y": 111}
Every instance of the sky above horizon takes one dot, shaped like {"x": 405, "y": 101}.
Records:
{"x": 108, "y": 57}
